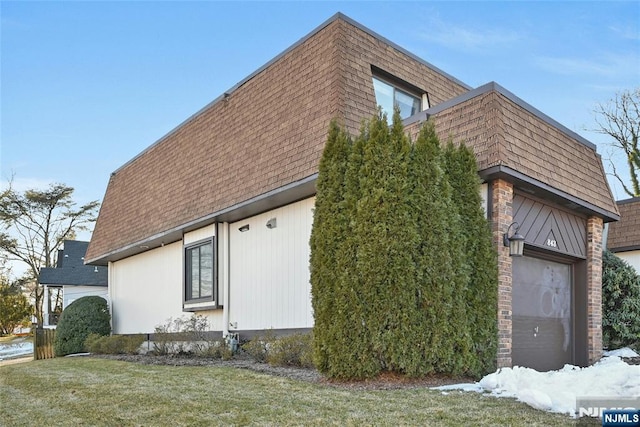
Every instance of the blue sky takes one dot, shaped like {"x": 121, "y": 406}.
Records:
{"x": 85, "y": 86}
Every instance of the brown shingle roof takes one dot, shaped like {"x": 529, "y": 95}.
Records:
{"x": 267, "y": 133}
{"x": 625, "y": 234}
{"x": 511, "y": 137}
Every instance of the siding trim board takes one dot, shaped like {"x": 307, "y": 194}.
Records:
{"x": 625, "y": 249}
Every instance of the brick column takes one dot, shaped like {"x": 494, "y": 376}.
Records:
{"x": 594, "y": 288}
{"x": 501, "y": 218}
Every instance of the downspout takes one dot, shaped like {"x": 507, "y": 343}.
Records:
{"x": 225, "y": 278}
{"x": 110, "y": 289}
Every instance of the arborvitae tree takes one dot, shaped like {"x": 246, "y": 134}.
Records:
{"x": 386, "y": 237}
{"x": 328, "y": 231}
{"x": 403, "y": 274}
{"x": 481, "y": 295}
{"x": 439, "y": 257}
{"x": 353, "y": 356}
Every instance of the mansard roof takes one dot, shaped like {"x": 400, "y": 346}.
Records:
{"x": 258, "y": 145}
{"x": 512, "y": 139}
{"x": 264, "y": 135}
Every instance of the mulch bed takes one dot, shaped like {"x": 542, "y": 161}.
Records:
{"x": 385, "y": 381}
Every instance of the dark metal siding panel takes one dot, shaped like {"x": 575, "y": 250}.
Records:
{"x": 546, "y": 226}
{"x": 542, "y": 313}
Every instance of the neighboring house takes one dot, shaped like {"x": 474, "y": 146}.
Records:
{"x": 69, "y": 280}
{"x": 215, "y": 217}
{"x": 623, "y": 237}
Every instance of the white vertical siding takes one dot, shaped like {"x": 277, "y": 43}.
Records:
{"x": 269, "y": 270}
{"x": 484, "y": 193}
{"x": 200, "y": 234}
{"x": 146, "y": 290}
{"x": 631, "y": 257}
{"x": 72, "y": 293}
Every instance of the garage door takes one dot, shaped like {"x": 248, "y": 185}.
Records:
{"x": 542, "y": 337}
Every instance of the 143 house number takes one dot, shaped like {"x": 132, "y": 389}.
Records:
{"x": 552, "y": 243}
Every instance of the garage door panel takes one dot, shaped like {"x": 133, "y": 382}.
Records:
{"x": 541, "y": 313}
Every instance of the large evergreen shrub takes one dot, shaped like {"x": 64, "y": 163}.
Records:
{"x": 84, "y": 316}
{"x": 392, "y": 283}
{"x": 329, "y": 228}
{"x": 479, "y": 295}
{"x": 620, "y": 303}
{"x": 386, "y": 234}
{"x": 441, "y": 269}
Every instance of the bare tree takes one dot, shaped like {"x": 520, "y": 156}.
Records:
{"x": 34, "y": 225}
{"x": 620, "y": 119}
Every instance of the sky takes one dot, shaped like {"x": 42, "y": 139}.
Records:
{"x": 86, "y": 86}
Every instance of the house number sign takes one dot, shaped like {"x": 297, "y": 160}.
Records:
{"x": 552, "y": 243}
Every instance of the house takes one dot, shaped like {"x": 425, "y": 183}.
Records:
{"x": 215, "y": 217}
{"x": 69, "y": 280}
{"x": 623, "y": 237}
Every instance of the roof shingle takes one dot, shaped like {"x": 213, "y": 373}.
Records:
{"x": 625, "y": 234}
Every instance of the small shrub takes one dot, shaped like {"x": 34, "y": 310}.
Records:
{"x": 292, "y": 350}
{"x": 217, "y": 350}
{"x": 114, "y": 344}
{"x": 258, "y": 347}
{"x": 183, "y": 336}
{"x": 82, "y": 317}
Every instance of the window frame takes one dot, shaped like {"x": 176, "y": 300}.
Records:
{"x": 401, "y": 86}
{"x": 187, "y": 287}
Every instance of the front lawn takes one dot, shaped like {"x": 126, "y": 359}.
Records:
{"x": 97, "y": 392}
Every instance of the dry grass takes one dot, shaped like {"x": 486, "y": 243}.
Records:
{"x": 99, "y": 392}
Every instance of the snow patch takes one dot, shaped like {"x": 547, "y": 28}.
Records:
{"x": 557, "y": 391}
{"x": 13, "y": 350}
{"x": 623, "y": 352}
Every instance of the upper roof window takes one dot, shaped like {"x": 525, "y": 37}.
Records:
{"x": 388, "y": 95}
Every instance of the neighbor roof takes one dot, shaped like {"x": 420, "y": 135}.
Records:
{"x": 625, "y": 234}
{"x": 71, "y": 270}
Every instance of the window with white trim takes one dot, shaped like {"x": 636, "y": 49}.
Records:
{"x": 199, "y": 261}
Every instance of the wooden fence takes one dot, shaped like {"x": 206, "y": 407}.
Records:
{"x": 43, "y": 343}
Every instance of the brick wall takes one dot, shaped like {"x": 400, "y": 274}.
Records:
{"x": 594, "y": 288}
{"x": 502, "y": 215}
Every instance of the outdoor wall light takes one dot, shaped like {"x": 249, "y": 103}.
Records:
{"x": 272, "y": 223}
{"x": 515, "y": 242}
{"x": 244, "y": 228}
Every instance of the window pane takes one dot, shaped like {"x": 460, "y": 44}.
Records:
{"x": 384, "y": 96}
{"x": 199, "y": 272}
{"x": 195, "y": 273}
{"x": 409, "y": 105}
{"x": 206, "y": 271}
